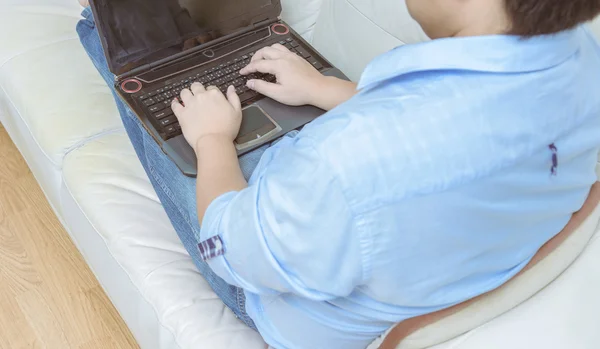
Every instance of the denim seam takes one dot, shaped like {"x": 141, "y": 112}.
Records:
{"x": 242, "y": 307}
{"x": 169, "y": 193}
{"x": 239, "y": 291}
{"x": 239, "y": 301}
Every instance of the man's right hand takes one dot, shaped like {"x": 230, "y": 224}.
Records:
{"x": 298, "y": 82}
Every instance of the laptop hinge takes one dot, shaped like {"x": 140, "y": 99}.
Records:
{"x": 262, "y": 22}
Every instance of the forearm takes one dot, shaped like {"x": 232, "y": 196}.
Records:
{"x": 218, "y": 170}
{"x": 333, "y": 92}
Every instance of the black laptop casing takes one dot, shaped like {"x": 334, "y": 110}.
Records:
{"x": 155, "y": 42}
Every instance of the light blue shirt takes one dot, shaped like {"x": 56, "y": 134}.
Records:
{"x": 435, "y": 184}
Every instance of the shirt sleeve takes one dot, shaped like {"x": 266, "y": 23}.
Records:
{"x": 292, "y": 231}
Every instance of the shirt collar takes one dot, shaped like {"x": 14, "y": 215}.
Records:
{"x": 495, "y": 54}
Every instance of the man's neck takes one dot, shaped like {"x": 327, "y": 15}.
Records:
{"x": 483, "y": 21}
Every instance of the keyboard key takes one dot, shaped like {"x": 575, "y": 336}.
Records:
{"x": 156, "y": 107}
{"x": 249, "y": 94}
{"x": 316, "y": 64}
{"x": 224, "y": 74}
{"x": 171, "y": 129}
{"x": 168, "y": 120}
{"x": 163, "y": 114}
{"x": 241, "y": 89}
{"x": 303, "y": 52}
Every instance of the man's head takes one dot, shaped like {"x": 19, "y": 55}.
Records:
{"x": 446, "y": 18}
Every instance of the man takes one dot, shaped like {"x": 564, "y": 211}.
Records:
{"x": 436, "y": 182}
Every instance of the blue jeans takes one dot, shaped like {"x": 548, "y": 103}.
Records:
{"x": 175, "y": 191}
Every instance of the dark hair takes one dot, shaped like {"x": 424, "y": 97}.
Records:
{"x": 538, "y": 17}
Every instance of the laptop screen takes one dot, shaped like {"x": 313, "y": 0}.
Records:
{"x": 138, "y": 32}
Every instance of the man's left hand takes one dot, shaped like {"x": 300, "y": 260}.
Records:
{"x": 207, "y": 112}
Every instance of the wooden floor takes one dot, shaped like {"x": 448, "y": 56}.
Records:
{"x": 49, "y": 298}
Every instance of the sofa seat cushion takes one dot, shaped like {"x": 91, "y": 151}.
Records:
{"x": 108, "y": 182}
{"x": 49, "y": 80}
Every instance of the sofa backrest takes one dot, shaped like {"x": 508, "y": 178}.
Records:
{"x": 546, "y": 266}
{"x": 350, "y": 33}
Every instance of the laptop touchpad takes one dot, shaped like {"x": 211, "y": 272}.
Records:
{"x": 256, "y": 126}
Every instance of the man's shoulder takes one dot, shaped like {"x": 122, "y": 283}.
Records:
{"x": 399, "y": 142}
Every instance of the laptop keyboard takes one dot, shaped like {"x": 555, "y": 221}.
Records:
{"x": 158, "y": 102}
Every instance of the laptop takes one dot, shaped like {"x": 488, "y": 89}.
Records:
{"x": 156, "y": 48}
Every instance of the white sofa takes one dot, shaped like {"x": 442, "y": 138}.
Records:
{"x": 77, "y": 149}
